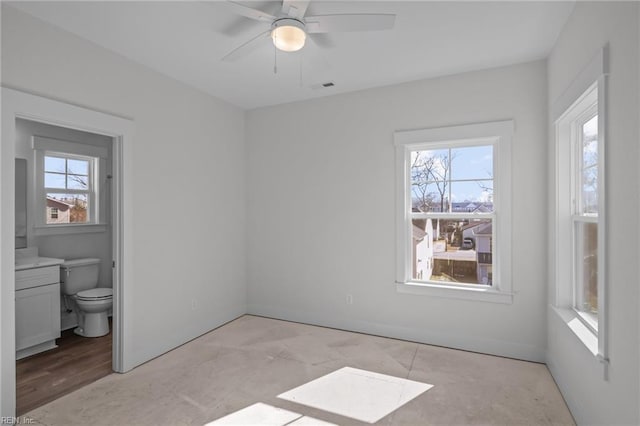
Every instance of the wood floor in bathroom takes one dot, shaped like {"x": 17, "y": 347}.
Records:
{"x": 76, "y": 362}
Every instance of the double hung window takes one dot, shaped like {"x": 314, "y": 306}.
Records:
{"x": 580, "y": 195}
{"x": 579, "y": 228}
{"x": 453, "y": 211}
{"x": 68, "y": 191}
{"x": 69, "y": 188}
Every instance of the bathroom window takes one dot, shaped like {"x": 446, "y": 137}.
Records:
{"x": 68, "y": 182}
{"x": 67, "y": 185}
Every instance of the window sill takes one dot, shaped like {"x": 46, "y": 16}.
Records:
{"x": 479, "y": 293}
{"x": 69, "y": 229}
{"x": 588, "y": 338}
{"x": 589, "y": 320}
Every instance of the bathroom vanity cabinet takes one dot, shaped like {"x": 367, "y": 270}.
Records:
{"x": 37, "y": 308}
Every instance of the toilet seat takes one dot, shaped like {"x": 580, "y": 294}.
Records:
{"x": 93, "y": 294}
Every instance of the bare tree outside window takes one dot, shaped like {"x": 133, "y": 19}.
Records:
{"x": 430, "y": 177}
{"x": 421, "y": 166}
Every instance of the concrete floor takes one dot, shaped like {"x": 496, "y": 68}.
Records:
{"x": 254, "y": 359}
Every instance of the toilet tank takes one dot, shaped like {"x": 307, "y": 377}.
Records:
{"x": 78, "y": 275}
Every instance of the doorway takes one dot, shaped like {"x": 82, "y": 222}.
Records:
{"x": 68, "y": 216}
{"x": 20, "y": 105}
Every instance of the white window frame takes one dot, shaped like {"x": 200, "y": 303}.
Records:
{"x": 584, "y": 98}
{"x": 96, "y": 156}
{"x": 587, "y": 110}
{"x": 497, "y": 133}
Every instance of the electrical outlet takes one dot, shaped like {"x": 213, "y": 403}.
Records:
{"x": 349, "y": 299}
{"x": 194, "y": 304}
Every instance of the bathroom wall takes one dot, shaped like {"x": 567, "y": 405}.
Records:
{"x": 72, "y": 245}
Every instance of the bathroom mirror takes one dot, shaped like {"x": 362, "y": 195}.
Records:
{"x": 21, "y": 203}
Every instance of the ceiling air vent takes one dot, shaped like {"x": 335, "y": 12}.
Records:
{"x": 322, "y": 85}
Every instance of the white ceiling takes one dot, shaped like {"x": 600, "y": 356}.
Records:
{"x": 186, "y": 40}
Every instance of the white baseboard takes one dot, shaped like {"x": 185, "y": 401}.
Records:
{"x": 32, "y": 350}
{"x": 420, "y": 335}
{"x": 147, "y": 352}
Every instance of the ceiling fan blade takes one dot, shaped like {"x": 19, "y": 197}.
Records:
{"x": 248, "y": 12}
{"x": 246, "y": 48}
{"x": 240, "y": 27}
{"x": 295, "y": 8}
{"x": 349, "y": 22}
{"x": 323, "y": 40}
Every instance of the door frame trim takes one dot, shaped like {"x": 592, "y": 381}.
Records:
{"x": 20, "y": 104}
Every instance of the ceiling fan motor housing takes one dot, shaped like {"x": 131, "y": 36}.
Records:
{"x": 290, "y": 26}
{"x": 288, "y": 34}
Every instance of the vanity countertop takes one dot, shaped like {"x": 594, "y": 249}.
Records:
{"x": 28, "y": 258}
{"x": 36, "y": 262}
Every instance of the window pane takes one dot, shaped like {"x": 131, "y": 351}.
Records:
{"x": 472, "y": 196}
{"x": 590, "y": 142}
{"x": 73, "y": 175}
{"x": 54, "y": 180}
{"x": 430, "y": 165}
{"x": 421, "y": 165}
{"x": 440, "y": 170}
{"x": 77, "y": 182}
{"x": 433, "y": 188}
{"x": 590, "y": 151}
{"x": 78, "y": 167}
{"x": 590, "y": 190}
{"x": 586, "y": 264}
{"x": 589, "y": 167}
{"x": 54, "y": 164}
{"x": 422, "y": 196}
{"x": 422, "y": 237}
{"x": 452, "y": 250}
{"x": 71, "y": 208}
{"x": 430, "y": 196}
{"x": 474, "y": 162}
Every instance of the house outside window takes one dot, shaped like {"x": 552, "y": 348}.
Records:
{"x": 453, "y": 186}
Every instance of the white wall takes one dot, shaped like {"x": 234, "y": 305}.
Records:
{"x": 188, "y": 152}
{"x": 592, "y": 399}
{"x": 321, "y": 210}
{"x": 319, "y": 200}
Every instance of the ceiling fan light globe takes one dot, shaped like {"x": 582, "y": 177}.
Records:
{"x": 288, "y": 38}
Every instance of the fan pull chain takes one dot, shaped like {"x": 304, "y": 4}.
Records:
{"x": 275, "y": 59}
{"x": 301, "y": 81}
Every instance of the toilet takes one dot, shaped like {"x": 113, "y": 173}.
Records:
{"x": 79, "y": 284}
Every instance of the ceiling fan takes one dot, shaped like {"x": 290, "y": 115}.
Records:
{"x": 288, "y": 29}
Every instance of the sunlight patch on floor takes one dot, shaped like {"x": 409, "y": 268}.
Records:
{"x": 265, "y": 414}
{"x": 358, "y": 394}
